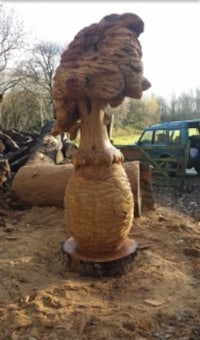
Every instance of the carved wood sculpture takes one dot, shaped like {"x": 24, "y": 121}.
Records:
{"x": 39, "y": 184}
{"x": 101, "y": 66}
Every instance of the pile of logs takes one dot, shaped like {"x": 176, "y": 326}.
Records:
{"x": 19, "y": 148}
{"x": 15, "y": 147}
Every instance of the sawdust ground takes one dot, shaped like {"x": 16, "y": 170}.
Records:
{"x": 159, "y": 298}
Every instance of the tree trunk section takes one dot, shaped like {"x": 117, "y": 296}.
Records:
{"x": 33, "y": 184}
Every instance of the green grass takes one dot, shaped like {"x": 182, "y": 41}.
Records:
{"x": 124, "y": 138}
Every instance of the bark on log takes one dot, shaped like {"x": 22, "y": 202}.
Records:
{"x": 19, "y": 148}
{"x": 2, "y": 147}
{"x": 19, "y": 137}
{"x": 19, "y": 158}
{"x": 5, "y": 173}
{"x": 146, "y": 187}
{"x": 44, "y": 185}
{"x": 15, "y": 147}
{"x": 18, "y": 163}
{"x": 47, "y": 151}
{"x": 9, "y": 143}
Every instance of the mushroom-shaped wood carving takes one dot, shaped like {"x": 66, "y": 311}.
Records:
{"x": 101, "y": 66}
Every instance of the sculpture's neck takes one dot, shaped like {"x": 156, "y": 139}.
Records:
{"x": 95, "y": 148}
{"x": 94, "y": 135}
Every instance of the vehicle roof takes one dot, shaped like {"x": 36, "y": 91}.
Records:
{"x": 175, "y": 124}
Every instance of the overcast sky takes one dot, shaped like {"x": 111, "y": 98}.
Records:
{"x": 170, "y": 42}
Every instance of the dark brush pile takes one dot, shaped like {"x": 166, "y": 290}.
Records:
{"x": 15, "y": 146}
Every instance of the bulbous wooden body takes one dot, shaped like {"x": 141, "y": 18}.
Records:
{"x": 99, "y": 209}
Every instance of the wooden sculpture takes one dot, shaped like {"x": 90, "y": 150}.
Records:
{"x": 101, "y": 66}
{"x": 39, "y": 184}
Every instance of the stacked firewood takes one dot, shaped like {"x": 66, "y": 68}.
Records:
{"x": 19, "y": 148}
{"x": 15, "y": 147}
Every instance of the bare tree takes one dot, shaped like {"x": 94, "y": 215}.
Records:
{"x": 11, "y": 35}
{"x": 41, "y": 67}
{"x": 9, "y": 79}
{"x": 20, "y": 109}
{"x": 11, "y": 42}
{"x": 32, "y": 75}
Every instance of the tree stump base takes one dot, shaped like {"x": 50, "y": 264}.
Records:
{"x": 115, "y": 264}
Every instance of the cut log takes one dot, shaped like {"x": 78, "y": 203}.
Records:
{"x": 19, "y": 163}
{"x": 50, "y": 149}
{"x": 4, "y": 171}
{"x": 15, "y": 147}
{"x": 133, "y": 172}
{"x": 121, "y": 262}
{"x": 44, "y": 185}
{"x": 146, "y": 187}
{"x": 19, "y": 158}
{"x": 19, "y": 137}
{"x": 21, "y": 148}
{"x": 2, "y": 147}
{"x": 47, "y": 151}
{"x": 8, "y": 142}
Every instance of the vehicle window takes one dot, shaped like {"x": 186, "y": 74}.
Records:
{"x": 146, "y": 138}
{"x": 174, "y": 136}
{"x": 160, "y": 137}
{"x": 194, "y": 137}
{"x": 193, "y": 132}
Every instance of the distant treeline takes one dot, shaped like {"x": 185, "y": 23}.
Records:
{"x": 26, "y": 81}
{"x": 140, "y": 113}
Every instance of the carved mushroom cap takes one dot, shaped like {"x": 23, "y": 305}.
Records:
{"x": 103, "y": 61}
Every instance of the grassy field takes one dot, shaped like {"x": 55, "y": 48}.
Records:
{"x": 124, "y": 137}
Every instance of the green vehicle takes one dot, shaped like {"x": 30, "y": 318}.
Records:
{"x": 170, "y": 147}
{"x": 170, "y": 139}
